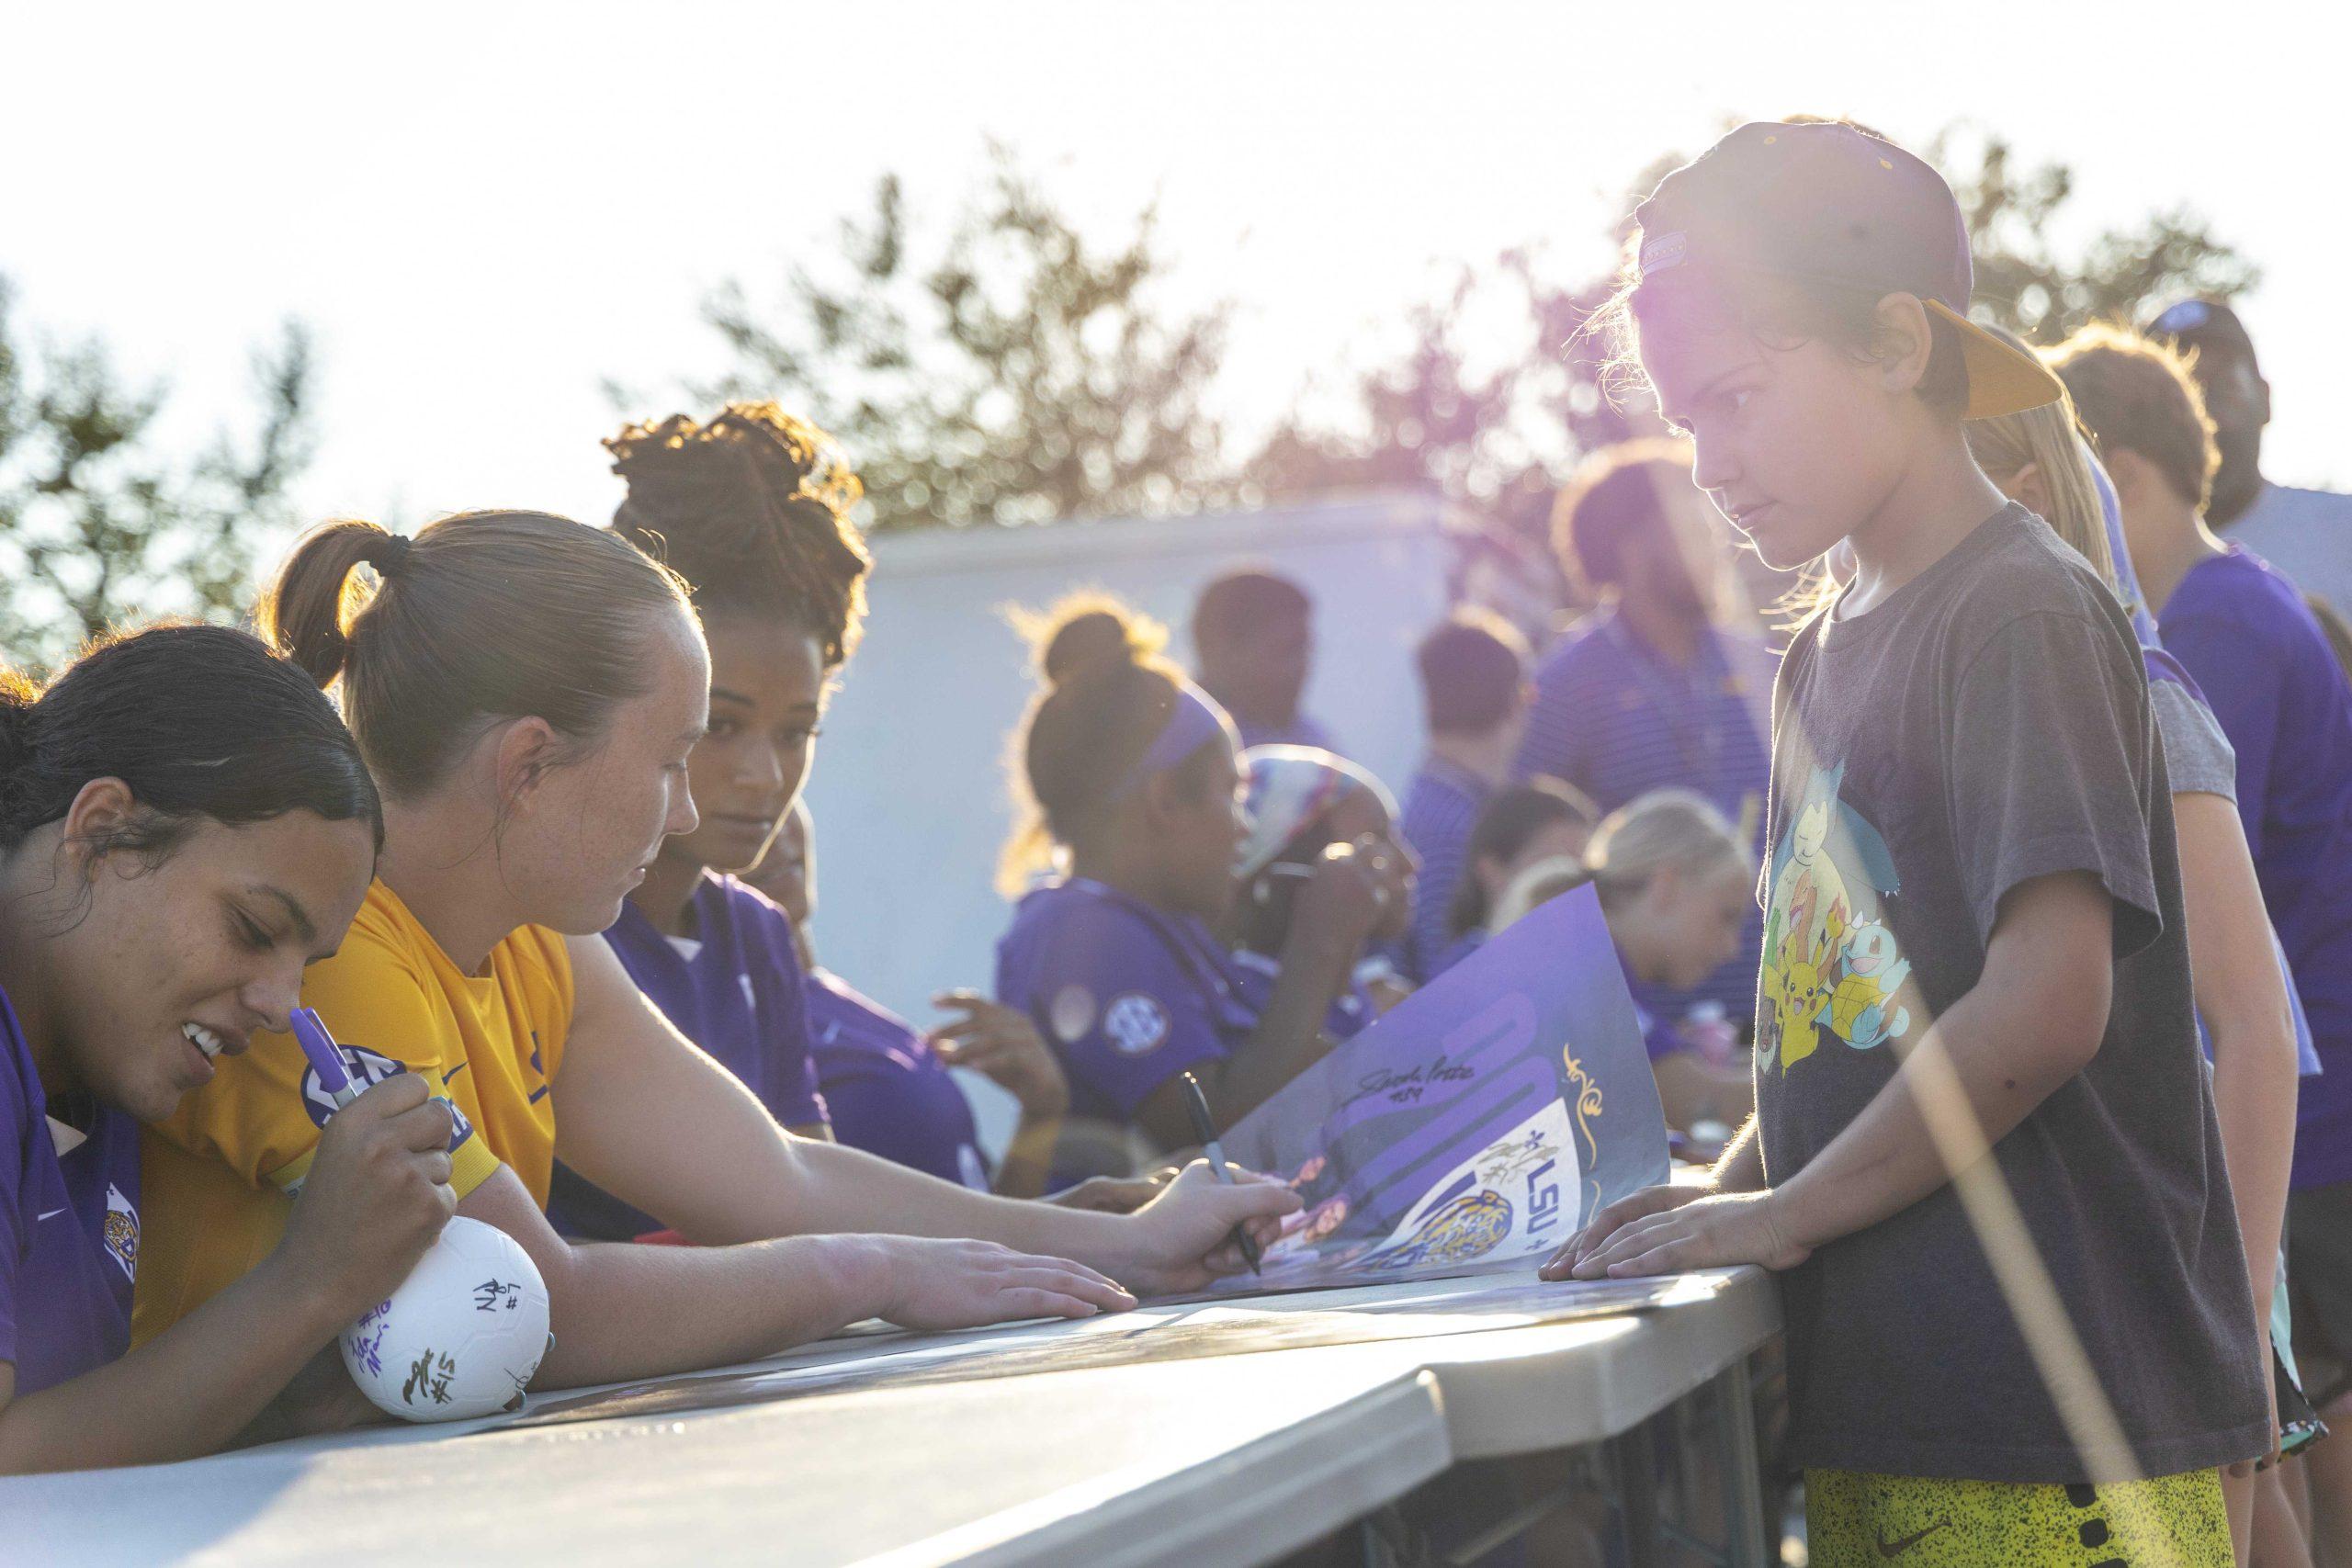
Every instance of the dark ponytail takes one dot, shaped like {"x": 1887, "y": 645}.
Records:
{"x": 483, "y": 616}
{"x": 198, "y": 722}
{"x": 752, "y": 511}
{"x": 1108, "y": 693}
{"x": 1507, "y": 826}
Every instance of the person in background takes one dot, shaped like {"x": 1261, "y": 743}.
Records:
{"x": 1134, "y": 797}
{"x": 2257, "y": 1037}
{"x": 885, "y": 1083}
{"x": 753, "y": 507}
{"x": 185, "y": 824}
{"x": 1474, "y": 693}
{"x": 1675, "y": 881}
{"x": 1301, "y": 802}
{"x": 1253, "y": 644}
{"x": 1543, "y": 820}
{"x": 2304, "y": 534}
{"x": 750, "y": 509}
{"x": 1649, "y": 691}
{"x": 2267, "y": 668}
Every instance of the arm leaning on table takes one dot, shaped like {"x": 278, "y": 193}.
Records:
{"x": 2033, "y": 1020}
{"x": 801, "y": 1237}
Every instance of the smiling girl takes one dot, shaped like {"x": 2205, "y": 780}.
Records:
{"x": 184, "y": 824}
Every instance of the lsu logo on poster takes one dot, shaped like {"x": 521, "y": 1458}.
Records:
{"x": 1466, "y": 1227}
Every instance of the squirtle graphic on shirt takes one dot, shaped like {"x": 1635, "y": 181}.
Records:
{"x": 1830, "y": 962}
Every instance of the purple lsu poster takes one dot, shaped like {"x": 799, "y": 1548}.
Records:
{"x": 1476, "y": 1125}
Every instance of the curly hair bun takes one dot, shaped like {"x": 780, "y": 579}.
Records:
{"x": 1088, "y": 633}
{"x": 752, "y": 509}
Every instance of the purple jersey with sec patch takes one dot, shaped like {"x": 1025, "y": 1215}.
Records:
{"x": 69, "y": 1229}
{"x": 885, "y": 1089}
{"x": 735, "y": 989}
{"x": 1126, "y": 995}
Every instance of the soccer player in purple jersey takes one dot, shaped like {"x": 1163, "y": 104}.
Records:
{"x": 185, "y": 824}
{"x": 1135, "y": 778}
{"x": 2265, "y": 667}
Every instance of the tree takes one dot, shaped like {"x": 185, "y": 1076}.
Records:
{"x": 1500, "y": 445}
{"x": 2026, "y": 285}
{"x": 1022, "y": 376}
{"x": 99, "y": 528}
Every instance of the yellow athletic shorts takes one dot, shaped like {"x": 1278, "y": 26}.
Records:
{"x": 2169, "y": 1521}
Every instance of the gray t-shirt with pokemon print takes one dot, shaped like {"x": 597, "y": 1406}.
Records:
{"x": 1986, "y": 724}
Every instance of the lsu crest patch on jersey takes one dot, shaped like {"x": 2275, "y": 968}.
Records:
{"x": 1135, "y": 1024}
{"x": 122, "y": 1232}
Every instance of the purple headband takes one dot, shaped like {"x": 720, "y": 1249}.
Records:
{"x": 1195, "y": 721}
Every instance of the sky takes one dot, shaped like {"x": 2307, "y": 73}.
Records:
{"x": 487, "y": 210}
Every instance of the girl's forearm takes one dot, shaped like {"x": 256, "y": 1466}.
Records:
{"x": 620, "y": 1311}
{"x": 2254, "y": 1098}
{"x": 186, "y": 1391}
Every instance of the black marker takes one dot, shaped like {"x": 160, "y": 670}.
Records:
{"x": 1204, "y": 1129}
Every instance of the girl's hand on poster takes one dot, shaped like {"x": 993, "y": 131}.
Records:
{"x": 1712, "y": 1230}
{"x": 1183, "y": 1239}
{"x": 1608, "y": 1222}
{"x": 1002, "y": 1043}
{"x": 1114, "y": 1194}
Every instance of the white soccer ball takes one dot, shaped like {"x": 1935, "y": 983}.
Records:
{"x": 462, "y": 1334}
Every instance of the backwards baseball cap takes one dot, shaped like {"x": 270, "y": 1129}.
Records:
{"x": 2201, "y": 323}
{"x": 1828, "y": 203}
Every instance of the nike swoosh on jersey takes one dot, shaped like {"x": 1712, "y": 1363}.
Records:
{"x": 1892, "y": 1549}
{"x": 51, "y": 1215}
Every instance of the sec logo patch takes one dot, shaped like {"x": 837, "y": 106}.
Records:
{"x": 1136, "y": 1023}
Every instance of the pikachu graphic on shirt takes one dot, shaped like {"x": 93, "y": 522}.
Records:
{"x": 1831, "y": 964}
{"x": 1793, "y": 985}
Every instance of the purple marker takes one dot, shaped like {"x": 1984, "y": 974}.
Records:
{"x": 326, "y": 1057}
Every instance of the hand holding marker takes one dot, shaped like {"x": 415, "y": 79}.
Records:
{"x": 1204, "y": 1129}
{"x": 462, "y": 1335}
